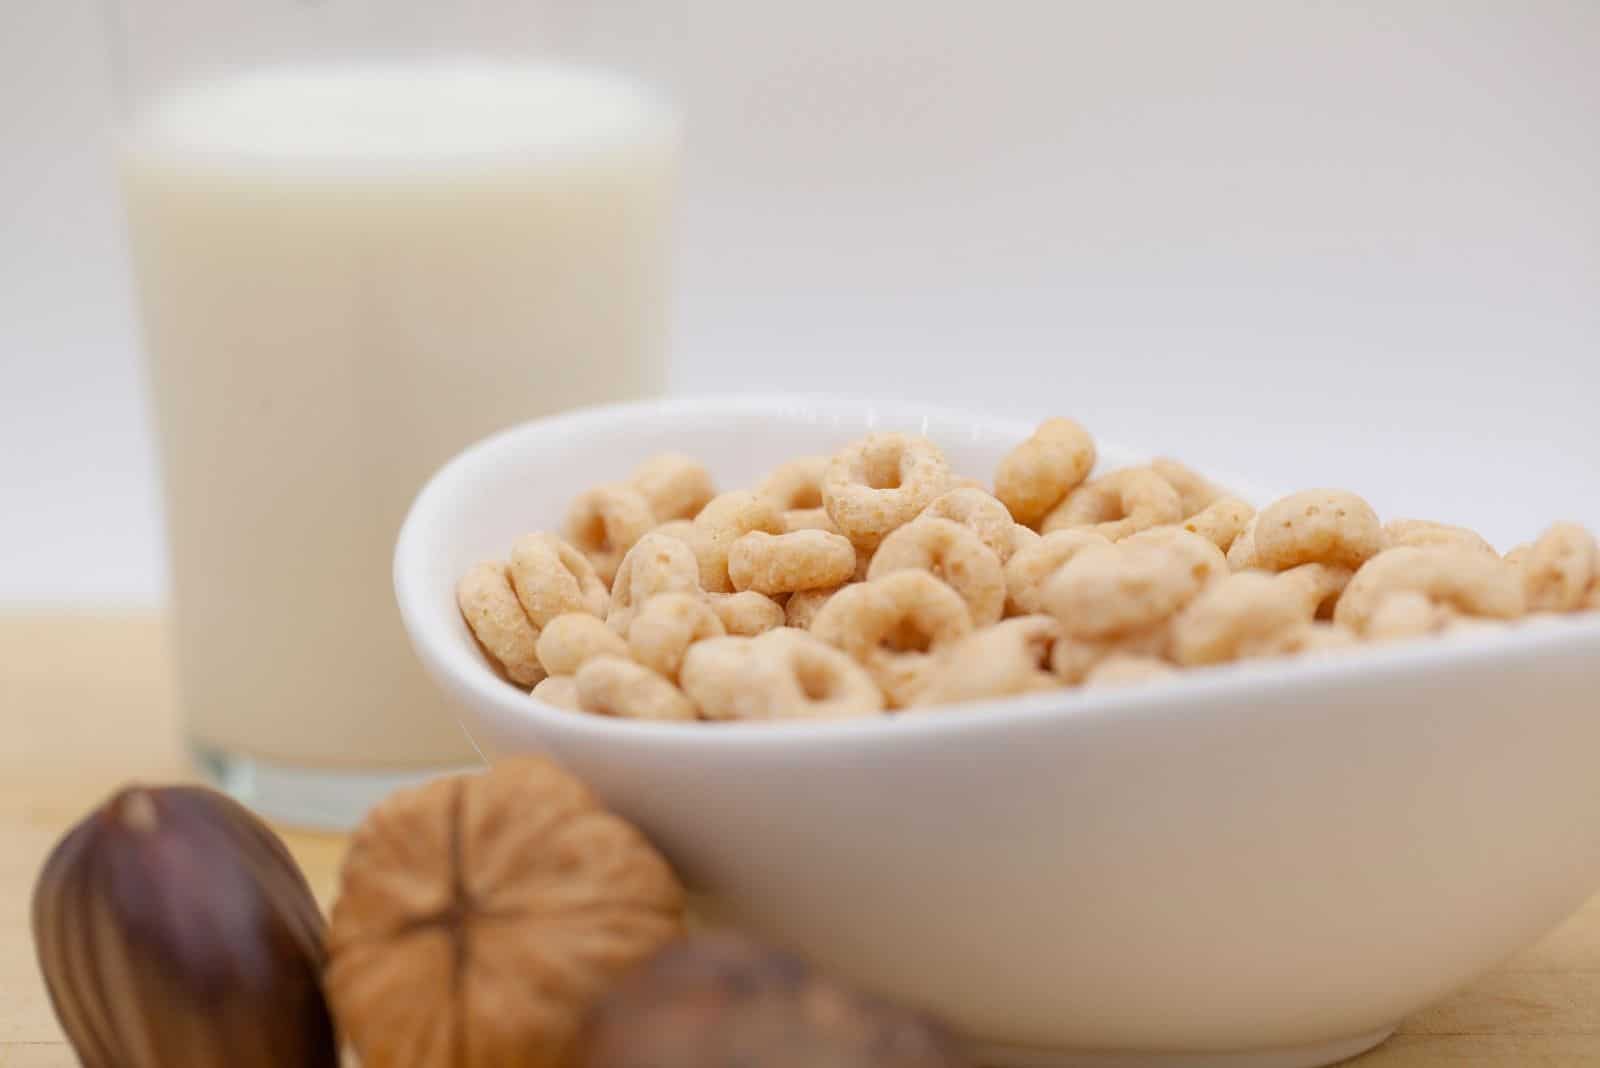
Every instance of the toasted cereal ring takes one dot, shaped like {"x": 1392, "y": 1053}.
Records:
{"x": 495, "y": 616}
{"x": 1320, "y": 585}
{"x": 1405, "y": 614}
{"x": 666, "y": 625}
{"x": 901, "y": 676}
{"x": 1321, "y": 526}
{"x": 952, "y": 553}
{"x": 1006, "y": 659}
{"x": 560, "y": 691}
{"x": 785, "y": 563}
{"x": 682, "y": 529}
{"x": 605, "y": 522}
{"x": 569, "y": 640}
{"x": 746, "y": 614}
{"x": 1196, "y": 493}
{"x": 808, "y": 519}
{"x": 1315, "y": 639}
{"x": 783, "y": 674}
{"x": 1560, "y": 569}
{"x": 1591, "y": 602}
{"x": 1123, "y": 670}
{"x": 1022, "y": 537}
{"x": 657, "y": 564}
{"x": 904, "y": 611}
{"x": 1200, "y": 554}
{"x": 722, "y": 522}
{"x": 1221, "y": 522}
{"x": 614, "y": 686}
{"x": 803, "y": 607}
{"x": 1426, "y": 534}
{"x": 881, "y": 482}
{"x": 1038, "y": 474}
{"x": 1073, "y": 658}
{"x": 1030, "y": 567}
{"x": 676, "y": 486}
{"x": 551, "y": 578}
{"x": 1117, "y": 505}
{"x": 1242, "y": 553}
{"x": 1107, "y": 592}
{"x": 1464, "y": 580}
{"x": 1239, "y": 618}
{"x": 1518, "y": 555}
{"x": 964, "y": 482}
{"x": 796, "y": 485}
{"x": 981, "y": 513}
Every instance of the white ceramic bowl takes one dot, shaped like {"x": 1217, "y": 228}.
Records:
{"x": 1262, "y": 865}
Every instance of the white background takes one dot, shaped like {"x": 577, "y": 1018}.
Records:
{"x": 1352, "y": 243}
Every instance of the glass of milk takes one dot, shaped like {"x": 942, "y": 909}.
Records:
{"x": 359, "y": 247}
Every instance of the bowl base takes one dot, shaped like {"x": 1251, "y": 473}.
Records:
{"x": 1314, "y": 1056}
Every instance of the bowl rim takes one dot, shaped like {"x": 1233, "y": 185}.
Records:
{"x": 1246, "y": 682}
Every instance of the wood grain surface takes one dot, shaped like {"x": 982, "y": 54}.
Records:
{"x": 86, "y": 703}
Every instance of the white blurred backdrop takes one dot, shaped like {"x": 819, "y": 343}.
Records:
{"x": 1351, "y": 243}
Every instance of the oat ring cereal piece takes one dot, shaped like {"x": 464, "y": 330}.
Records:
{"x": 1121, "y": 669}
{"x": 1241, "y": 617}
{"x": 1560, "y": 569}
{"x": 803, "y": 607}
{"x": 783, "y": 674}
{"x": 568, "y": 641}
{"x": 666, "y": 626}
{"x": 1206, "y": 562}
{"x": 982, "y": 514}
{"x": 1038, "y": 474}
{"x": 1320, "y": 526}
{"x": 560, "y": 691}
{"x": 551, "y": 578}
{"x": 1106, "y": 592}
{"x": 674, "y": 485}
{"x": 721, "y": 523}
{"x": 1072, "y": 659}
{"x": 1466, "y": 581}
{"x": 881, "y": 482}
{"x": 1426, "y": 534}
{"x": 1196, "y": 493}
{"x": 1242, "y": 553}
{"x": 1320, "y": 585}
{"x": 1119, "y": 504}
{"x": 657, "y": 564}
{"x": 1221, "y": 522}
{"x": 1006, "y": 659}
{"x": 1406, "y": 614}
{"x": 614, "y": 686}
{"x": 496, "y": 619}
{"x": 950, "y": 552}
{"x": 1032, "y": 565}
{"x": 605, "y": 522}
{"x": 746, "y": 614}
{"x": 796, "y": 485}
{"x": 808, "y": 519}
{"x": 785, "y": 563}
{"x": 905, "y": 611}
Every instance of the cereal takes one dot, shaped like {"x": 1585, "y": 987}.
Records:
{"x": 1117, "y": 505}
{"x": 1405, "y": 614}
{"x": 1315, "y": 639}
{"x": 783, "y": 674}
{"x": 1038, "y": 474}
{"x": 880, "y": 483}
{"x": 1008, "y": 658}
{"x": 1242, "y": 553}
{"x": 808, "y": 519}
{"x": 1320, "y": 584}
{"x": 1464, "y": 580}
{"x": 1031, "y": 565}
{"x": 569, "y": 640}
{"x": 682, "y": 529}
{"x": 560, "y": 691}
{"x": 1196, "y": 493}
{"x": 985, "y": 516}
{"x": 674, "y": 485}
{"x": 657, "y": 564}
{"x": 746, "y": 614}
{"x": 1073, "y": 659}
{"x": 1560, "y": 569}
{"x": 1221, "y": 522}
{"x": 1321, "y": 526}
{"x": 803, "y": 607}
{"x": 786, "y": 563}
{"x": 498, "y": 622}
{"x": 1239, "y": 618}
{"x": 666, "y": 626}
{"x": 1104, "y": 592}
{"x": 1022, "y": 537}
{"x": 614, "y": 686}
{"x": 950, "y": 552}
{"x": 1205, "y": 560}
{"x": 1122, "y": 670}
{"x": 797, "y": 485}
{"x": 551, "y": 578}
{"x": 721, "y": 523}
{"x": 891, "y": 625}
{"x": 1426, "y": 534}
{"x": 604, "y": 524}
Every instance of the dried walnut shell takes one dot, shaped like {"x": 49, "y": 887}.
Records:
{"x": 480, "y": 916}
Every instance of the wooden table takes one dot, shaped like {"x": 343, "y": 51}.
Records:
{"x": 86, "y": 703}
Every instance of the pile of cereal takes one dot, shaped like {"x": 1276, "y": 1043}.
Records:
{"x": 878, "y": 580}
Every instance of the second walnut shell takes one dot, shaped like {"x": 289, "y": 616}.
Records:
{"x": 480, "y": 916}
